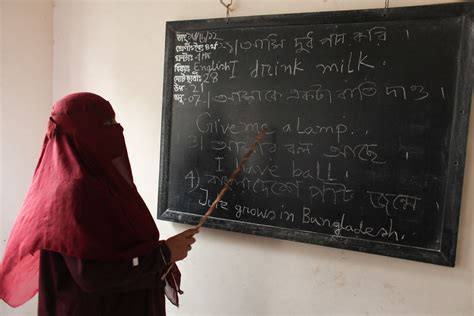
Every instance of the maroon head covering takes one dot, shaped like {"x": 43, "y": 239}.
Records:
{"x": 82, "y": 201}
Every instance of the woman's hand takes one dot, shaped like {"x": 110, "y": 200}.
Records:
{"x": 179, "y": 245}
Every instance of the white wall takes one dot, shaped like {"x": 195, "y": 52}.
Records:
{"x": 26, "y": 47}
{"x": 116, "y": 49}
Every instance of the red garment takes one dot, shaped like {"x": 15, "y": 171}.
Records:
{"x": 75, "y": 287}
{"x": 82, "y": 201}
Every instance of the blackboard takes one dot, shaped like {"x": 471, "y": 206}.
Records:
{"x": 367, "y": 116}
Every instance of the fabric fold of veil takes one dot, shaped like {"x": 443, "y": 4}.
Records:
{"x": 82, "y": 201}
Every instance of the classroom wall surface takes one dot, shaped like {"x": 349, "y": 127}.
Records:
{"x": 116, "y": 49}
{"x": 26, "y": 68}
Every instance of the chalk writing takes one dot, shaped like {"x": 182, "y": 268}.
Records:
{"x": 331, "y": 192}
{"x": 248, "y": 211}
{"x": 339, "y": 227}
{"x": 301, "y": 128}
{"x": 199, "y": 37}
{"x": 304, "y": 44}
{"x": 206, "y": 201}
{"x": 268, "y": 43}
{"x": 346, "y": 65}
{"x": 262, "y": 70}
{"x": 317, "y": 93}
{"x": 392, "y": 203}
{"x": 363, "y": 152}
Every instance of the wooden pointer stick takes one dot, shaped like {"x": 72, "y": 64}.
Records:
{"x": 232, "y": 177}
{"x": 226, "y": 186}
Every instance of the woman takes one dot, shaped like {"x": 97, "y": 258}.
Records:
{"x": 84, "y": 238}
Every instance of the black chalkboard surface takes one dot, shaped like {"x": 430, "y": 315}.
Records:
{"x": 367, "y": 117}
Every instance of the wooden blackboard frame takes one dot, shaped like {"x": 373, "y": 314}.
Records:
{"x": 457, "y": 147}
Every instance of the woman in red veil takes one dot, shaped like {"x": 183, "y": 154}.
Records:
{"x": 84, "y": 238}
